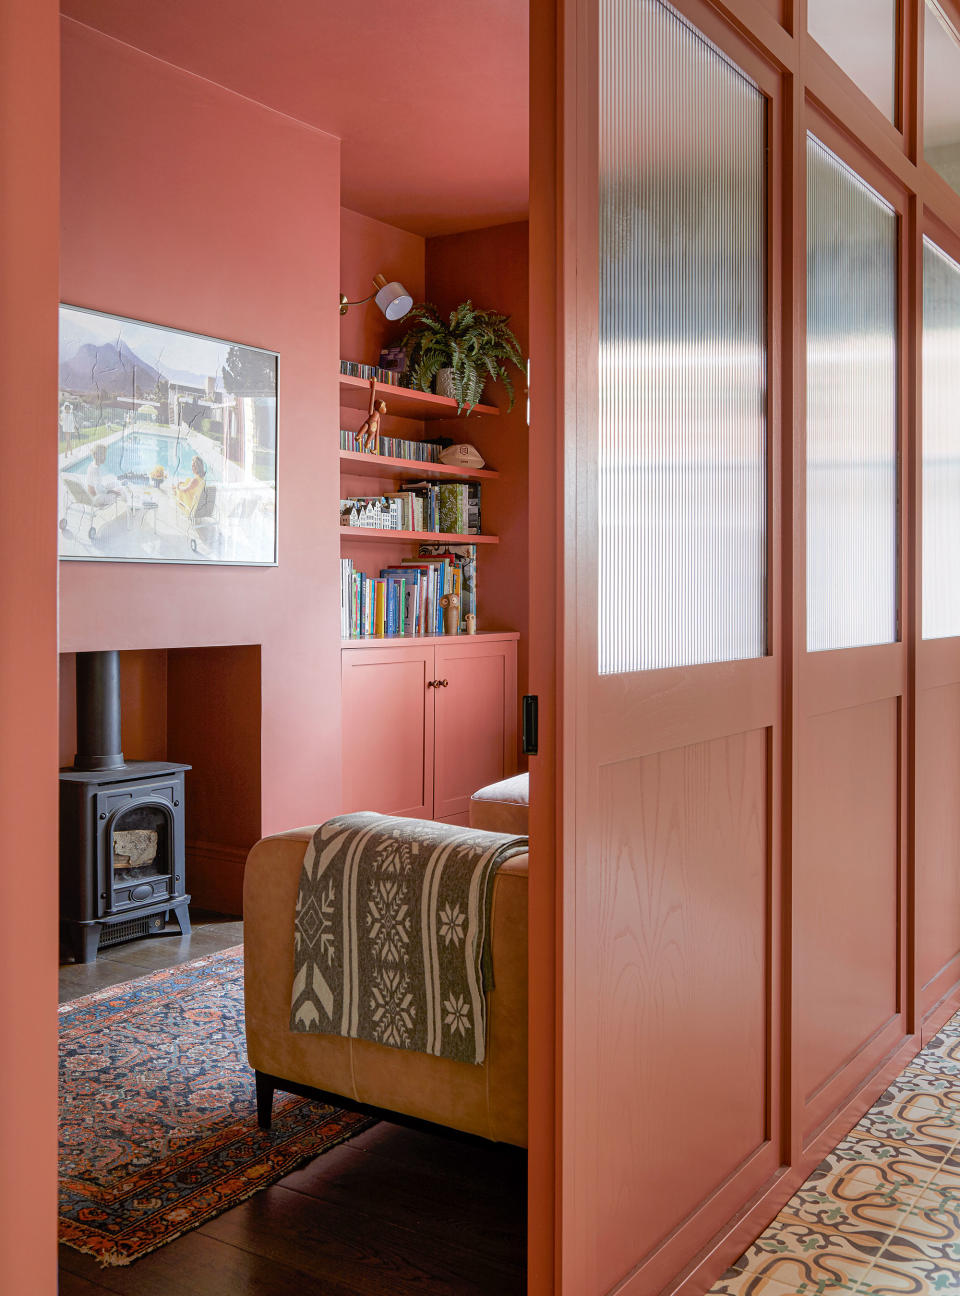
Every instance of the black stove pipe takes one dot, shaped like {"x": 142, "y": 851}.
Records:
{"x": 98, "y": 712}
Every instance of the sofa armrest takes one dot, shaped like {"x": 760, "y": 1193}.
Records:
{"x": 489, "y": 1100}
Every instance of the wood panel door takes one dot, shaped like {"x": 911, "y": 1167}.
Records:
{"x": 388, "y": 730}
{"x": 671, "y": 722}
{"x": 475, "y": 727}
{"x": 849, "y": 874}
{"x": 937, "y": 733}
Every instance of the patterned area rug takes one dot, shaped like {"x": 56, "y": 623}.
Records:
{"x": 158, "y": 1126}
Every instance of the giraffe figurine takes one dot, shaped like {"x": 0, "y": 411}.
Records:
{"x": 368, "y": 435}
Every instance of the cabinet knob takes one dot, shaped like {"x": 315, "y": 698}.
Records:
{"x": 431, "y": 683}
{"x": 442, "y": 683}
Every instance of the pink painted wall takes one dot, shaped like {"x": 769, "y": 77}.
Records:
{"x": 29, "y": 128}
{"x": 236, "y": 235}
{"x": 490, "y": 266}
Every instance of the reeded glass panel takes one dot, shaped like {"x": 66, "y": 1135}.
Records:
{"x": 851, "y": 408}
{"x": 861, "y": 36}
{"x": 682, "y": 453}
{"x": 941, "y": 96}
{"x": 941, "y": 444}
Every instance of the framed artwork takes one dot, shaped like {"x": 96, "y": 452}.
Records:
{"x": 167, "y": 444}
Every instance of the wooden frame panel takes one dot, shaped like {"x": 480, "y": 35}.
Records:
{"x": 792, "y": 687}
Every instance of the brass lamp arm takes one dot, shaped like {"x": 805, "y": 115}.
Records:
{"x": 344, "y": 304}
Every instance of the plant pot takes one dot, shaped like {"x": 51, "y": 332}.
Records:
{"x": 444, "y": 384}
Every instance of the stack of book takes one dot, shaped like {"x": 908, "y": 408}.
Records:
{"x": 449, "y": 507}
{"x": 394, "y": 448}
{"x": 404, "y": 601}
{"x": 389, "y": 377}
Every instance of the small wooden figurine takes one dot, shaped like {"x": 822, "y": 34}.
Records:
{"x": 471, "y": 621}
{"x": 451, "y": 613}
{"x": 368, "y": 435}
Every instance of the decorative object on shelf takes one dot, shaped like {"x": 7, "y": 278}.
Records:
{"x": 455, "y": 358}
{"x": 150, "y": 407}
{"x": 393, "y": 360}
{"x": 392, "y": 298}
{"x": 451, "y": 613}
{"x": 462, "y": 456}
{"x": 471, "y": 621}
{"x": 368, "y": 435}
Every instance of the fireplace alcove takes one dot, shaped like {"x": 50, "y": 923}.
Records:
{"x": 182, "y": 708}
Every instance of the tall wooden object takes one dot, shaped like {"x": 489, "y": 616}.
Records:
{"x": 755, "y": 897}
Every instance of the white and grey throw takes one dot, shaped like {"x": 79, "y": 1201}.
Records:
{"x": 391, "y": 937}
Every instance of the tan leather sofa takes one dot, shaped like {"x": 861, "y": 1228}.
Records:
{"x": 502, "y": 807}
{"x": 489, "y": 1100}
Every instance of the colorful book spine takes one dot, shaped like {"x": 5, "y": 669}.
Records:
{"x": 354, "y": 369}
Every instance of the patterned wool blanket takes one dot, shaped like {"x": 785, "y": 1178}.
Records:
{"x": 392, "y": 933}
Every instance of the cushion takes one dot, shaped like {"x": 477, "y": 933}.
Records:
{"x": 502, "y": 807}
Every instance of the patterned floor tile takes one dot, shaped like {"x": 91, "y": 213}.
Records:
{"x": 818, "y": 1271}
{"x": 880, "y": 1216}
{"x": 752, "y": 1284}
{"x": 890, "y": 1277}
{"x": 883, "y": 1168}
{"x": 930, "y": 1231}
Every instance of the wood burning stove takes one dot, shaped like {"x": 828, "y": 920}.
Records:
{"x": 121, "y": 826}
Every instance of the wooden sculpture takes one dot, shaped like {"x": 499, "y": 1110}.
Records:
{"x": 368, "y": 435}
{"x": 451, "y": 613}
{"x": 471, "y": 621}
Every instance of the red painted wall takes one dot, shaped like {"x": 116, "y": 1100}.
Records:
{"x": 490, "y": 266}
{"x": 369, "y": 247}
{"x": 231, "y": 227}
{"x": 143, "y": 705}
{"x": 29, "y": 127}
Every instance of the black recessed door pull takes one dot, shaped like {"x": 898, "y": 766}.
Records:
{"x": 530, "y": 723}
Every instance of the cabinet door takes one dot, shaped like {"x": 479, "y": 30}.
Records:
{"x": 475, "y": 725}
{"x": 388, "y": 730}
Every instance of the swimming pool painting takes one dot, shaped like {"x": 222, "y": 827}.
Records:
{"x": 167, "y": 444}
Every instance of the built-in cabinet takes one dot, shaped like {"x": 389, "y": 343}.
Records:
{"x": 427, "y": 722}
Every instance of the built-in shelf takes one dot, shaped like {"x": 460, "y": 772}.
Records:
{"x": 365, "y": 465}
{"x": 427, "y": 537}
{"x": 402, "y": 401}
{"x": 400, "y": 641}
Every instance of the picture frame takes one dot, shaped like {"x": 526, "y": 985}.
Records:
{"x": 167, "y": 444}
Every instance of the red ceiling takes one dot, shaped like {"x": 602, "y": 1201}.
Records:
{"x": 428, "y": 96}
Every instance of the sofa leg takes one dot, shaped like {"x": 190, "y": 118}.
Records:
{"x": 264, "y": 1100}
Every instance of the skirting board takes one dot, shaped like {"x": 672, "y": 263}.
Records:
{"x": 215, "y": 875}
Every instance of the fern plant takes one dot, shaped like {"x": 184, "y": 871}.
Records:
{"x": 475, "y": 344}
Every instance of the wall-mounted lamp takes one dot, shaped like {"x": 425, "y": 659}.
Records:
{"x": 392, "y": 298}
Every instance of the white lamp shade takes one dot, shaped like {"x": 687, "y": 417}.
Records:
{"x": 394, "y": 300}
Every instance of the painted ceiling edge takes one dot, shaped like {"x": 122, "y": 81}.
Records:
{"x": 199, "y": 76}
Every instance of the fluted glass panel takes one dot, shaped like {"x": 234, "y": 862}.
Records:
{"x": 860, "y": 35}
{"x": 941, "y": 96}
{"x": 941, "y": 444}
{"x": 682, "y": 426}
{"x": 851, "y": 408}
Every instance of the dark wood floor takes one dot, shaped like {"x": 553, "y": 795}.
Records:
{"x": 393, "y": 1212}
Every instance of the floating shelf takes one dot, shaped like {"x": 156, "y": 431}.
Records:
{"x": 427, "y": 537}
{"x": 402, "y": 641}
{"x": 366, "y": 465}
{"x": 402, "y": 402}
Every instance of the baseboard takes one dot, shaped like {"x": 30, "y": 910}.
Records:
{"x": 215, "y": 875}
